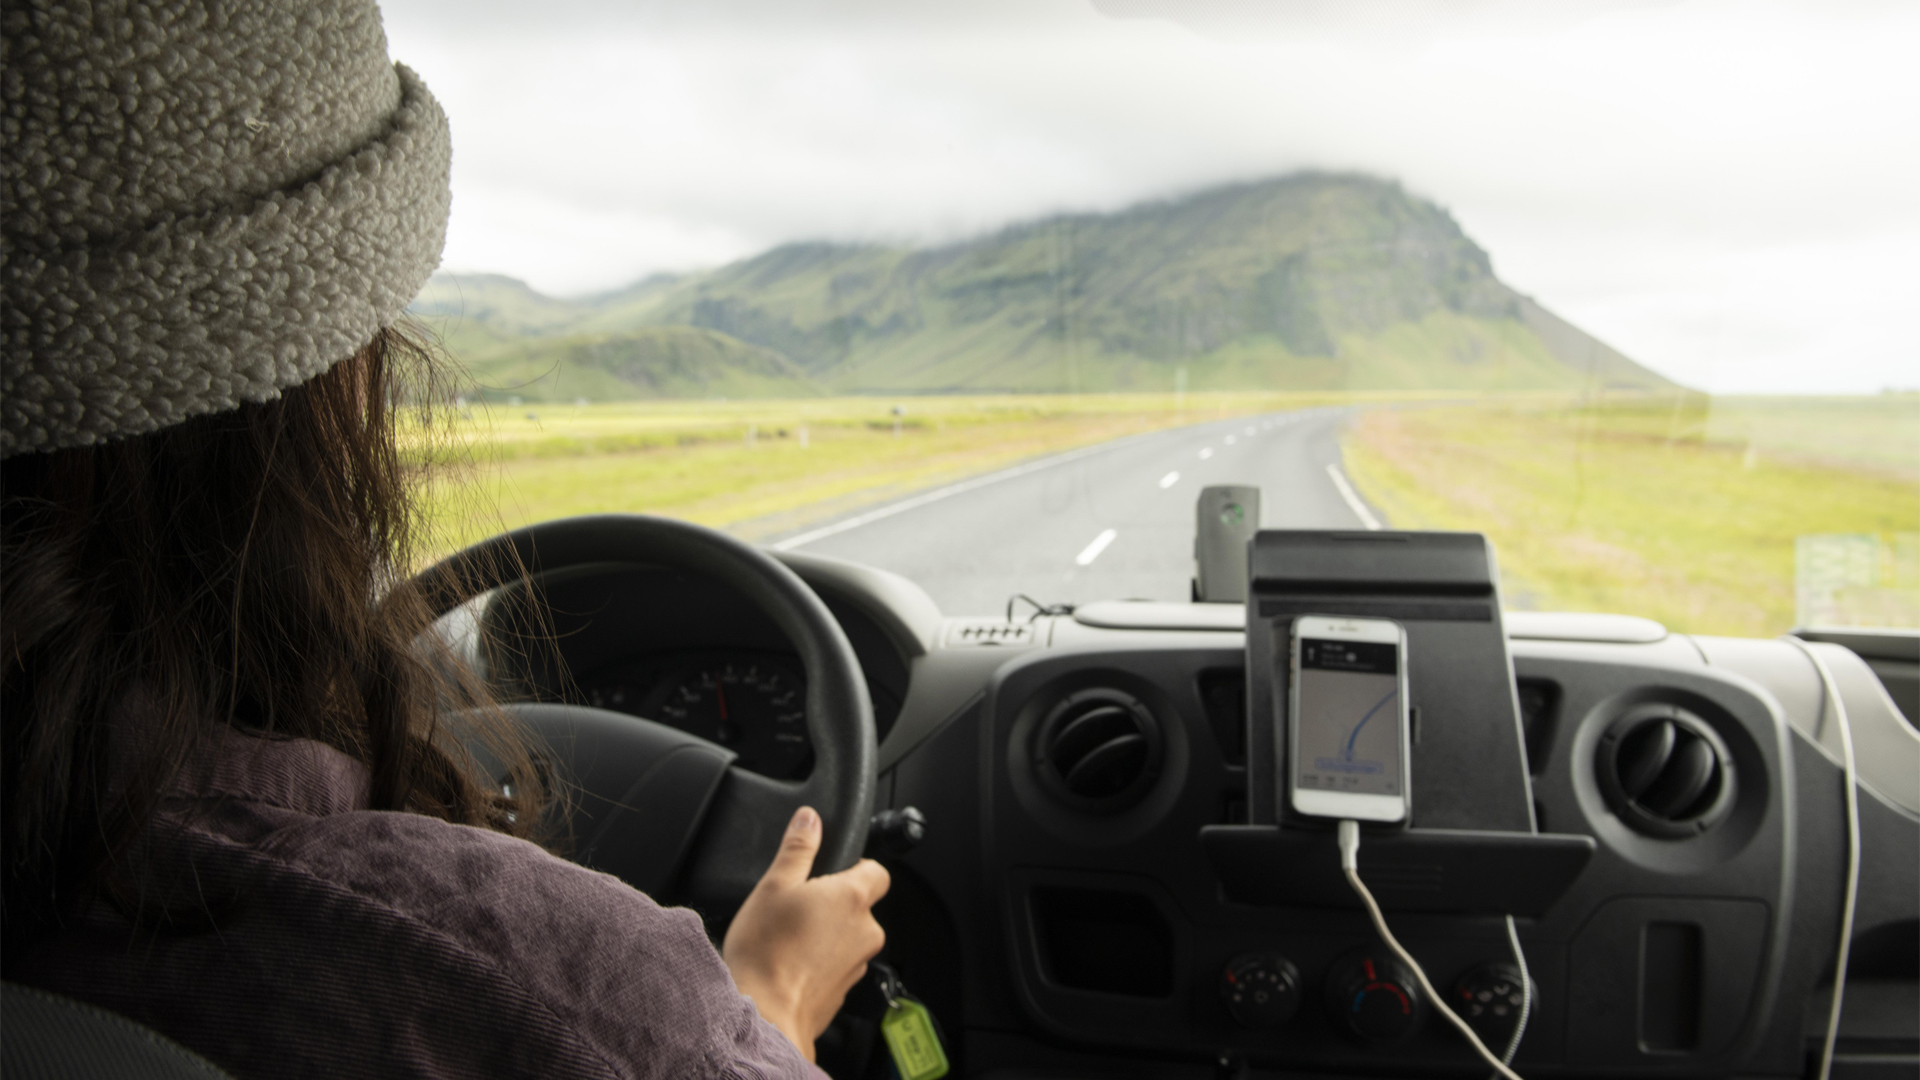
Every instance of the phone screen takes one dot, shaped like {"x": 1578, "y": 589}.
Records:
{"x": 1349, "y": 717}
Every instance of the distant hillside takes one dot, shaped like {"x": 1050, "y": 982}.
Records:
{"x": 653, "y": 361}
{"x": 498, "y": 302}
{"x": 1311, "y": 281}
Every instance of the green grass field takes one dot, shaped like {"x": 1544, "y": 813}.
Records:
{"x": 767, "y": 467}
{"x": 1684, "y": 510}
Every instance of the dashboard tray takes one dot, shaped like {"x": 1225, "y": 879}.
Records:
{"x": 1455, "y": 870}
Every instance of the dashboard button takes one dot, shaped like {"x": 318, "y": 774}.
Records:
{"x": 1261, "y": 990}
{"x": 1488, "y": 999}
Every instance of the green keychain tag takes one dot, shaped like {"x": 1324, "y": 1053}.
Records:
{"x": 917, "y": 1053}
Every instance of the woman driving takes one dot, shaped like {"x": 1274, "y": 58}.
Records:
{"x": 235, "y": 811}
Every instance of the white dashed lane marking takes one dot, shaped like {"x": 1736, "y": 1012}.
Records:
{"x": 1169, "y": 480}
{"x": 1092, "y": 551}
{"x": 1353, "y": 498}
{"x": 1206, "y": 452}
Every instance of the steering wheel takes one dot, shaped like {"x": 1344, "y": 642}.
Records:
{"x": 666, "y": 811}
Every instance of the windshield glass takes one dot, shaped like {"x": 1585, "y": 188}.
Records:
{"x": 985, "y": 294}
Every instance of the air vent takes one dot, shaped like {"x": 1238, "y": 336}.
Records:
{"x": 1099, "y": 750}
{"x": 1665, "y": 772}
{"x": 989, "y": 633}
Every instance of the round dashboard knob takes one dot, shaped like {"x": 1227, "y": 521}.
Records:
{"x": 1374, "y": 996}
{"x": 1488, "y": 998}
{"x": 1261, "y": 990}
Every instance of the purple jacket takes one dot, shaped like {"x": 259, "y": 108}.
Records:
{"x": 351, "y": 942}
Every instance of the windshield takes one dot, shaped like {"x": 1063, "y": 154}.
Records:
{"x": 985, "y": 294}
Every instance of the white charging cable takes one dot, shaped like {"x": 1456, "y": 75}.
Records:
{"x": 1831, "y": 691}
{"x": 1349, "y": 836}
{"x": 1526, "y": 993}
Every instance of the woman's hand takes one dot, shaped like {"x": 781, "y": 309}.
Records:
{"x": 798, "y": 945}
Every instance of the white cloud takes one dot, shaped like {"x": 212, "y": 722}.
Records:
{"x": 1721, "y": 189}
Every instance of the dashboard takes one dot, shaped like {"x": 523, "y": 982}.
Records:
{"x": 1142, "y": 913}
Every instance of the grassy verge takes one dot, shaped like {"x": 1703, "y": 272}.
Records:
{"x": 1684, "y": 511}
{"x": 763, "y": 468}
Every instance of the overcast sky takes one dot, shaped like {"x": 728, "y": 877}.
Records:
{"x": 1724, "y": 191}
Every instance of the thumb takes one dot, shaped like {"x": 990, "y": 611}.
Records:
{"x": 794, "y": 861}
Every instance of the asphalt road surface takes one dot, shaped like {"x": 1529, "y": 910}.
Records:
{"x": 1107, "y": 522}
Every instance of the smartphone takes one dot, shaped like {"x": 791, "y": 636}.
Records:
{"x": 1347, "y": 718}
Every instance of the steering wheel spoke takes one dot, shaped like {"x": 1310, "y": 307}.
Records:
{"x": 632, "y": 793}
{"x": 740, "y": 837}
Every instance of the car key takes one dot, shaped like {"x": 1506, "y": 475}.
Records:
{"x": 909, "y": 1031}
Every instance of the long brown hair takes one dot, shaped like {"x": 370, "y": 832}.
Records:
{"x": 242, "y": 569}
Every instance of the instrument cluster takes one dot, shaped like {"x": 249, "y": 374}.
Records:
{"x": 752, "y": 703}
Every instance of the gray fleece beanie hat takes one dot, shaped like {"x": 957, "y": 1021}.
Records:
{"x": 206, "y": 202}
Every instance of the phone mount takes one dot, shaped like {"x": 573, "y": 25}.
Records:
{"x": 1471, "y": 843}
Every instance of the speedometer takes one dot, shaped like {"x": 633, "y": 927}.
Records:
{"x": 755, "y": 707}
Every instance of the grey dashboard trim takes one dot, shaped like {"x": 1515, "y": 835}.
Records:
{"x": 1886, "y": 746}
{"x": 1526, "y": 625}
{"x": 940, "y": 686}
{"x": 1894, "y": 655}
{"x": 1156, "y": 615}
{"x": 1068, "y": 633}
{"x": 903, "y": 610}
{"x": 1583, "y": 626}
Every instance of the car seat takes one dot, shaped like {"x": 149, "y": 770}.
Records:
{"x": 48, "y": 1037}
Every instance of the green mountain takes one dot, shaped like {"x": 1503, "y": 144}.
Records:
{"x": 477, "y": 311}
{"x": 652, "y": 361}
{"x": 1311, "y": 281}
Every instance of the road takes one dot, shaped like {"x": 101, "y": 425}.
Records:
{"x": 1112, "y": 521}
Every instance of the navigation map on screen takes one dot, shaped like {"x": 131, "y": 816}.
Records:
{"x": 1349, "y": 722}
